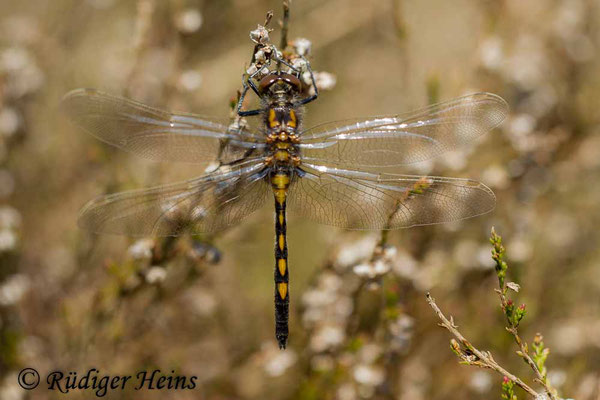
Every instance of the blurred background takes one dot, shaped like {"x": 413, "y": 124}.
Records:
{"x": 71, "y": 301}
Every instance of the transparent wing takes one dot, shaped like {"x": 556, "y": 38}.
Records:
{"x": 404, "y": 139}
{"x": 155, "y": 134}
{"x": 202, "y": 205}
{"x": 363, "y": 200}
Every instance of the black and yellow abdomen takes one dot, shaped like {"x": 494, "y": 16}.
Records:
{"x": 280, "y": 182}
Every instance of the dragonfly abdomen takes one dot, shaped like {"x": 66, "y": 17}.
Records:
{"x": 280, "y": 182}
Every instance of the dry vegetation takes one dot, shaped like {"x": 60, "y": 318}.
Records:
{"x": 360, "y": 325}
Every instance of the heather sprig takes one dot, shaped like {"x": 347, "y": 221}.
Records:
{"x": 470, "y": 355}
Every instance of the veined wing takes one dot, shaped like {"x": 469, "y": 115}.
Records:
{"x": 363, "y": 200}
{"x": 404, "y": 139}
{"x": 155, "y": 134}
{"x": 202, "y": 205}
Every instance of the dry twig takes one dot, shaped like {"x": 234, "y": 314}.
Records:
{"x": 470, "y": 355}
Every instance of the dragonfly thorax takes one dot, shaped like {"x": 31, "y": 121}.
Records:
{"x": 281, "y": 118}
{"x": 282, "y": 138}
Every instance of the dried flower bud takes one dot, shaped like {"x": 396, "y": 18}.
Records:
{"x": 302, "y": 46}
{"x": 260, "y": 56}
{"x": 251, "y": 69}
{"x": 513, "y": 286}
{"x": 260, "y": 35}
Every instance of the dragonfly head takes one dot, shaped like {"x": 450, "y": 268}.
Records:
{"x": 279, "y": 85}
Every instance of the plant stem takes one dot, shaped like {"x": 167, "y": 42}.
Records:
{"x": 284, "y": 25}
{"x": 484, "y": 358}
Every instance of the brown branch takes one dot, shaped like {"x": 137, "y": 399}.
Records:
{"x": 285, "y": 25}
{"x": 473, "y": 356}
{"x": 145, "y": 10}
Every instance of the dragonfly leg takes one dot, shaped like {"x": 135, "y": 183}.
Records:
{"x": 248, "y": 84}
{"x": 243, "y": 113}
{"x": 314, "y": 85}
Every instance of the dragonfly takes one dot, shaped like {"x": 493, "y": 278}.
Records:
{"x": 339, "y": 173}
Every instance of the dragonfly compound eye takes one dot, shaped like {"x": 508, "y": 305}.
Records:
{"x": 266, "y": 82}
{"x": 269, "y": 80}
{"x": 292, "y": 81}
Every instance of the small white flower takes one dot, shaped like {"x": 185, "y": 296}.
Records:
{"x": 189, "y": 80}
{"x": 302, "y": 46}
{"x": 156, "y": 274}
{"x": 14, "y": 59}
{"x": 327, "y": 337}
{"x": 8, "y": 240}
{"x": 141, "y": 249}
{"x": 405, "y": 265}
{"x": 373, "y": 269}
{"x": 189, "y": 21}
{"x": 280, "y": 362}
{"x": 369, "y": 375}
{"x": 13, "y": 289}
{"x": 325, "y": 80}
{"x": 202, "y": 301}
{"x": 496, "y": 176}
{"x": 389, "y": 252}
{"x": 491, "y": 53}
{"x": 363, "y": 270}
{"x": 9, "y": 121}
{"x": 481, "y": 381}
{"x": 356, "y": 251}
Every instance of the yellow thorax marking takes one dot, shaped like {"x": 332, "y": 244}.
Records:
{"x": 281, "y": 265}
{"x": 282, "y": 288}
{"x": 292, "y": 121}
{"x": 273, "y": 119}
